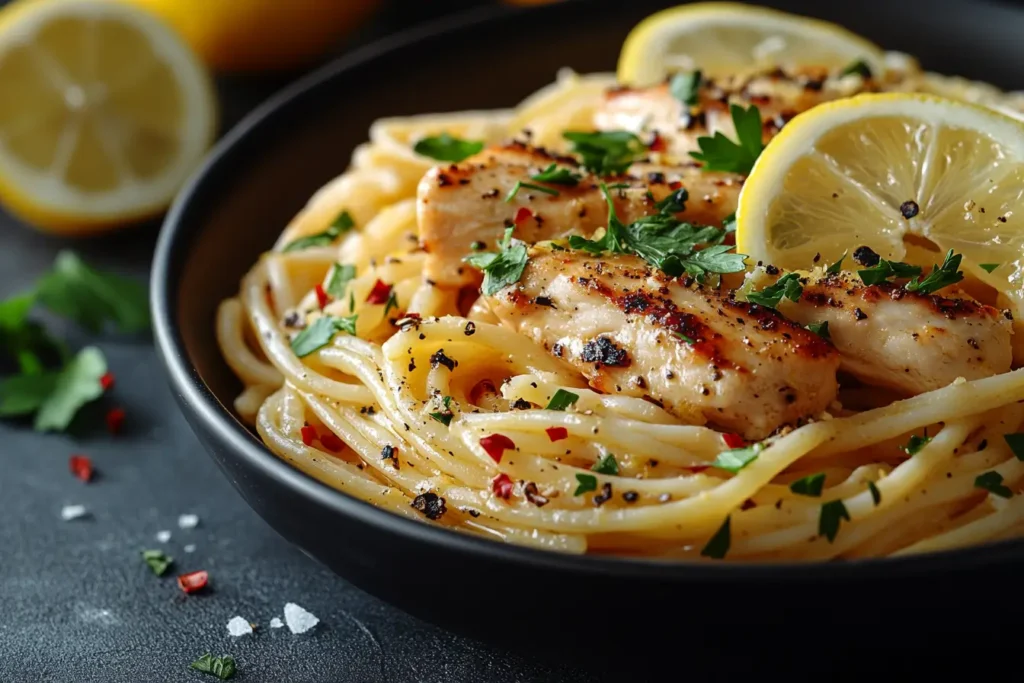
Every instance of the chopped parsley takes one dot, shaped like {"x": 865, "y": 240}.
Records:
{"x": 686, "y": 87}
{"x": 392, "y": 302}
{"x": 786, "y": 287}
{"x": 1016, "y": 444}
{"x": 666, "y": 243}
{"x": 993, "y": 483}
{"x": 719, "y": 153}
{"x": 562, "y": 400}
{"x": 587, "y": 482}
{"x": 941, "y": 276}
{"x": 338, "y": 227}
{"x": 683, "y": 337}
{"x": 444, "y": 147}
{"x": 502, "y": 268}
{"x": 736, "y": 459}
{"x": 718, "y": 545}
{"x": 858, "y": 67}
{"x": 222, "y": 667}
{"x": 320, "y": 333}
{"x": 989, "y": 267}
{"x": 876, "y": 495}
{"x": 811, "y": 485}
{"x": 606, "y": 464}
{"x": 530, "y": 186}
{"x": 820, "y": 329}
{"x": 831, "y": 515}
{"x": 884, "y": 270}
{"x": 338, "y": 279}
{"x": 837, "y": 267}
{"x": 608, "y": 152}
{"x": 915, "y": 444}
{"x": 674, "y": 202}
{"x": 729, "y": 223}
{"x": 444, "y": 417}
{"x": 555, "y": 175}
{"x": 158, "y": 561}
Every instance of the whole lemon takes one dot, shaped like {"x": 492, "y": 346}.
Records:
{"x": 242, "y": 35}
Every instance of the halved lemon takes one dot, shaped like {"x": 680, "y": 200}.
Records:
{"x": 722, "y": 38}
{"x": 103, "y": 113}
{"x": 890, "y": 171}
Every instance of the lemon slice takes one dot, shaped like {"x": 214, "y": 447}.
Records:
{"x": 723, "y": 38}
{"x": 103, "y": 113}
{"x": 891, "y": 171}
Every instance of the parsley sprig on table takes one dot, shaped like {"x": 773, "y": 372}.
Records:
{"x": 719, "y": 153}
{"x": 665, "y": 242}
{"x": 51, "y": 382}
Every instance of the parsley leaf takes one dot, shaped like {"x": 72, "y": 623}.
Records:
{"x": 557, "y": 176}
{"x": 718, "y": 545}
{"x": 736, "y": 459}
{"x": 1016, "y": 444}
{"x": 342, "y": 224}
{"x": 90, "y": 298}
{"x": 674, "y": 202}
{"x": 811, "y": 485}
{"x": 884, "y": 270}
{"x": 719, "y": 153}
{"x": 729, "y": 223}
{"x": 608, "y": 152}
{"x": 222, "y": 667}
{"x": 606, "y": 464}
{"x": 587, "y": 482}
{"x": 686, "y": 87}
{"x": 320, "y": 333}
{"x": 837, "y": 267}
{"x": 520, "y": 184}
{"x": 392, "y": 302}
{"x": 915, "y": 444}
{"x": 562, "y": 400}
{"x": 988, "y": 267}
{"x": 876, "y": 495}
{"x": 503, "y": 268}
{"x": 446, "y": 416}
{"x": 338, "y": 279}
{"x": 820, "y": 329}
{"x": 941, "y": 276}
{"x": 444, "y": 147}
{"x": 77, "y": 384}
{"x": 786, "y": 287}
{"x": 993, "y": 482}
{"x": 831, "y": 515}
{"x": 859, "y": 67}
{"x": 157, "y": 561}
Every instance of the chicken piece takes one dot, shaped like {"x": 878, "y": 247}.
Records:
{"x": 901, "y": 340}
{"x": 459, "y": 204}
{"x": 632, "y": 330}
{"x": 779, "y": 96}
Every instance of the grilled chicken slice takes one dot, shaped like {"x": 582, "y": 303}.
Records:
{"x": 632, "y": 330}
{"x": 779, "y": 96}
{"x": 901, "y": 340}
{"x": 460, "y": 204}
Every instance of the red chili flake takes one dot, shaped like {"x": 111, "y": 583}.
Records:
{"x": 414, "y": 316}
{"x": 657, "y": 144}
{"x": 522, "y": 215}
{"x": 196, "y": 581}
{"x": 321, "y": 296}
{"x": 115, "y": 419}
{"x": 308, "y": 435}
{"x": 557, "y": 433}
{"x": 502, "y": 486}
{"x": 379, "y": 294}
{"x": 496, "y": 445}
{"x": 81, "y": 467}
{"x": 747, "y": 504}
{"x": 696, "y": 469}
{"x": 734, "y": 440}
{"x": 331, "y": 442}
{"x": 107, "y": 381}
{"x": 675, "y": 185}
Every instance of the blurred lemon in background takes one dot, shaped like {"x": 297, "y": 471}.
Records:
{"x": 104, "y": 112}
{"x": 232, "y": 35}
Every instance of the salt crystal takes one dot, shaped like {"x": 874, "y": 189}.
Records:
{"x": 163, "y": 536}
{"x": 190, "y": 548}
{"x": 298, "y": 619}
{"x": 239, "y": 627}
{"x": 188, "y": 521}
{"x": 276, "y": 623}
{"x": 70, "y": 512}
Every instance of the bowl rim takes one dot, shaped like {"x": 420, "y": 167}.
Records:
{"x": 178, "y": 231}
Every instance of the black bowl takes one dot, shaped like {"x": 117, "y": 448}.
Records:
{"x": 269, "y": 165}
